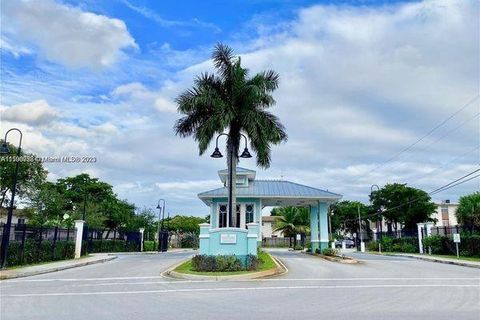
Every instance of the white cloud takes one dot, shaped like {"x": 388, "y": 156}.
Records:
{"x": 357, "y": 86}
{"x": 136, "y": 93}
{"x": 38, "y": 112}
{"x": 65, "y": 34}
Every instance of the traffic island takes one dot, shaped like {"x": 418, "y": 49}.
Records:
{"x": 333, "y": 255}
{"x": 269, "y": 266}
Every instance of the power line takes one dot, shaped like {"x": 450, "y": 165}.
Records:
{"x": 450, "y": 161}
{"x": 423, "y": 137}
{"x": 449, "y": 185}
{"x": 435, "y": 191}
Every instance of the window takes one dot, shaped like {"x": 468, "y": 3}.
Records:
{"x": 21, "y": 221}
{"x": 237, "y": 213}
{"x": 444, "y": 211}
{"x": 249, "y": 211}
{"x": 222, "y": 216}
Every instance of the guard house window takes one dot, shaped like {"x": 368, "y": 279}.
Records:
{"x": 238, "y": 216}
{"x": 222, "y": 216}
{"x": 249, "y": 213}
{"x": 21, "y": 221}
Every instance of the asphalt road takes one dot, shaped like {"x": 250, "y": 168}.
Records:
{"x": 130, "y": 287}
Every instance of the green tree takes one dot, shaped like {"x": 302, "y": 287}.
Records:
{"x": 97, "y": 197}
{"x": 344, "y": 216}
{"x": 31, "y": 175}
{"x": 184, "y": 224}
{"x": 468, "y": 212}
{"x": 48, "y": 206}
{"x": 292, "y": 220}
{"x": 231, "y": 100}
{"x": 402, "y": 204}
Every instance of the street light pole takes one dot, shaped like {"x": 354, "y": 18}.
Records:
{"x": 6, "y": 230}
{"x": 162, "y": 235}
{"x": 217, "y": 154}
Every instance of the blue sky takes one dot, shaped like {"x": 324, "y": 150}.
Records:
{"x": 360, "y": 81}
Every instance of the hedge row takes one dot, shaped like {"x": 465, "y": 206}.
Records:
{"x": 224, "y": 263}
{"x": 98, "y": 246}
{"x": 469, "y": 245}
{"x": 35, "y": 252}
{"x": 391, "y": 244}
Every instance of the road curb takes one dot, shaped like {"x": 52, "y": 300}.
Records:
{"x": 55, "y": 269}
{"x": 457, "y": 263}
{"x": 279, "y": 270}
{"x": 148, "y": 252}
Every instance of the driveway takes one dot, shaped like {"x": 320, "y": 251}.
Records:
{"x": 131, "y": 287}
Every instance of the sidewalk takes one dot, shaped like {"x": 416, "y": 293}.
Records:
{"x": 54, "y": 266}
{"x": 426, "y": 257}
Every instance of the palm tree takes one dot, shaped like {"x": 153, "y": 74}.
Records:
{"x": 231, "y": 100}
{"x": 292, "y": 221}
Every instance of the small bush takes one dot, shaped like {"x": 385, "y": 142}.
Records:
{"x": 318, "y": 251}
{"x": 252, "y": 262}
{"x": 330, "y": 252}
{"x": 372, "y": 246}
{"x": 404, "y": 244}
{"x": 150, "y": 246}
{"x": 298, "y": 247}
{"x": 206, "y": 263}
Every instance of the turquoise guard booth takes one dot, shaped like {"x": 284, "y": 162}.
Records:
{"x": 251, "y": 197}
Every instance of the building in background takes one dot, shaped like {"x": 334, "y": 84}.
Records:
{"x": 445, "y": 214}
{"x": 268, "y": 225}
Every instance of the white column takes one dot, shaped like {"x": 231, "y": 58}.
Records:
{"x": 78, "y": 238}
{"x": 242, "y": 215}
{"x": 142, "y": 231}
{"x": 420, "y": 238}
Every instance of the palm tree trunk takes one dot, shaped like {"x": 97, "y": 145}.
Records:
{"x": 232, "y": 161}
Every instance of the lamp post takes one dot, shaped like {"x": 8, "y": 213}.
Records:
{"x": 6, "y": 230}
{"x": 371, "y": 194}
{"x": 162, "y": 234}
{"x": 217, "y": 154}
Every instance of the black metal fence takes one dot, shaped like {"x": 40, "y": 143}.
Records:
{"x": 32, "y": 244}
{"x": 113, "y": 240}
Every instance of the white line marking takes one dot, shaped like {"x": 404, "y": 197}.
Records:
{"x": 237, "y": 289}
{"x": 260, "y": 280}
{"x": 240, "y": 280}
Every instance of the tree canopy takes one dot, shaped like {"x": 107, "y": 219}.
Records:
{"x": 402, "y": 204}
{"x": 31, "y": 174}
{"x": 344, "y": 216}
{"x": 468, "y": 212}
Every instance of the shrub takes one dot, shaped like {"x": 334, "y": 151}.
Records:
{"x": 298, "y": 247}
{"x": 372, "y": 246}
{"x": 189, "y": 241}
{"x": 318, "y": 251}
{"x": 204, "y": 263}
{"x": 97, "y": 246}
{"x": 35, "y": 252}
{"x": 404, "y": 244}
{"x": 330, "y": 252}
{"x": 150, "y": 246}
{"x": 224, "y": 263}
{"x": 252, "y": 262}
{"x": 469, "y": 245}
{"x": 228, "y": 263}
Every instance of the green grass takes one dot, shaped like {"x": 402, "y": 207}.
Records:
{"x": 266, "y": 263}
{"x": 475, "y": 259}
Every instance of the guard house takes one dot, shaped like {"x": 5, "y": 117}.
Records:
{"x": 252, "y": 196}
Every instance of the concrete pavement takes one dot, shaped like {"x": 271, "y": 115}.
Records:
{"x": 130, "y": 287}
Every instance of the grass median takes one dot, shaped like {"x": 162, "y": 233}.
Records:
{"x": 266, "y": 263}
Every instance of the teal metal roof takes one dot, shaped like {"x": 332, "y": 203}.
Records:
{"x": 272, "y": 189}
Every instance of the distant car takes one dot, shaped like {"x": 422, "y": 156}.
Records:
{"x": 348, "y": 243}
